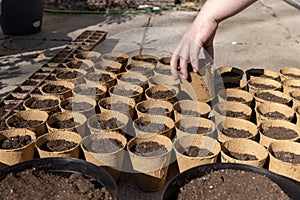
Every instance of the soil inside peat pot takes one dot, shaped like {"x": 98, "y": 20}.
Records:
{"x": 154, "y": 110}
{"x": 231, "y": 184}
{"x": 38, "y": 76}
{"x": 78, "y": 106}
{"x": 58, "y": 145}
{"x": 23, "y": 123}
{"x": 77, "y": 65}
{"x": 287, "y": 157}
{"x": 271, "y": 97}
{"x": 130, "y": 80}
{"x": 236, "y": 133}
{"x": 30, "y": 83}
{"x": 126, "y": 93}
{"x": 295, "y": 86}
{"x": 293, "y": 75}
{"x": 105, "y": 145}
{"x": 163, "y": 94}
{"x": 68, "y": 75}
{"x": 238, "y": 99}
{"x": 116, "y": 106}
{"x": 296, "y": 97}
{"x": 189, "y": 112}
{"x": 69, "y": 123}
{"x": 274, "y": 115}
{"x": 241, "y": 156}
{"x": 195, "y": 129}
{"x": 47, "y": 103}
{"x": 55, "y": 89}
{"x": 163, "y": 71}
{"x": 40, "y": 184}
{"x": 15, "y": 142}
{"x": 280, "y": 133}
{"x": 98, "y": 77}
{"x": 229, "y": 113}
{"x": 151, "y": 127}
{"x": 149, "y": 149}
{"x": 263, "y": 86}
{"x": 3, "y": 125}
{"x": 194, "y": 151}
{"x": 89, "y": 91}
{"x": 112, "y": 123}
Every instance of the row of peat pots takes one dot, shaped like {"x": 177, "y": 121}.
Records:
{"x": 138, "y": 121}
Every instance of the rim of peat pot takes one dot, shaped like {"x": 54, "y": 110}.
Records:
{"x": 173, "y": 187}
{"x": 66, "y": 166}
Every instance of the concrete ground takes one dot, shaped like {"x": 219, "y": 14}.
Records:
{"x": 265, "y": 35}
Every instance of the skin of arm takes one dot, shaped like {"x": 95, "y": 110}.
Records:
{"x": 202, "y": 32}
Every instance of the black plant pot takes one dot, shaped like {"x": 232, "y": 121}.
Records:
{"x": 172, "y": 189}
{"x": 66, "y": 166}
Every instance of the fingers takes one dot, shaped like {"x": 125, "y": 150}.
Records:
{"x": 174, "y": 66}
{"x": 194, "y": 57}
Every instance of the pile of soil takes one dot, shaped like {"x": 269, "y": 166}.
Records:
{"x": 195, "y": 129}
{"x": 263, "y": 86}
{"x": 231, "y": 184}
{"x": 287, "y": 157}
{"x": 271, "y": 97}
{"x": 119, "y": 105}
{"x": 194, "y": 151}
{"x": 35, "y": 184}
{"x": 150, "y": 127}
{"x": 58, "y": 145}
{"x": 280, "y": 133}
{"x": 15, "y": 142}
{"x": 155, "y": 110}
{"x": 40, "y": 104}
{"x": 240, "y": 156}
{"x": 51, "y": 89}
{"x": 69, "y": 123}
{"x": 23, "y": 123}
{"x": 125, "y": 93}
{"x": 236, "y": 133}
{"x": 189, "y": 112}
{"x": 149, "y": 149}
{"x": 163, "y": 94}
{"x": 274, "y": 115}
{"x": 78, "y": 106}
{"x": 105, "y": 145}
{"x": 112, "y": 123}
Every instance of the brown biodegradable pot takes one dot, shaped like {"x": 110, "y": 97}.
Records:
{"x": 186, "y": 108}
{"x": 20, "y": 154}
{"x": 110, "y": 66}
{"x": 117, "y": 57}
{"x": 237, "y": 95}
{"x": 295, "y": 98}
{"x": 94, "y": 92}
{"x": 195, "y": 126}
{"x": 60, "y": 89}
{"x": 144, "y": 58}
{"x": 289, "y": 73}
{"x": 287, "y": 167}
{"x": 107, "y": 155}
{"x": 154, "y": 107}
{"x": 151, "y": 171}
{"x": 236, "y": 128}
{"x": 75, "y": 76}
{"x": 257, "y": 84}
{"x": 271, "y": 96}
{"x": 163, "y": 80}
{"x": 79, "y": 104}
{"x": 291, "y": 132}
{"x": 59, "y": 135}
{"x": 243, "y": 151}
{"x": 108, "y": 121}
{"x": 118, "y": 103}
{"x": 38, "y": 119}
{"x": 228, "y": 71}
{"x": 141, "y": 67}
{"x": 167, "y": 93}
{"x": 88, "y": 55}
{"x": 297, "y": 111}
{"x": 67, "y": 121}
{"x": 86, "y": 65}
{"x": 231, "y": 109}
{"x": 262, "y": 73}
{"x": 133, "y": 78}
{"x": 127, "y": 90}
{"x": 290, "y": 85}
{"x": 101, "y": 77}
{"x": 273, "y": 111}
{"x": 165, "y": 60}
{"x": 47, "y": 103}
{"x": 150, "y": 125}
{"x": 163, "y": 70}
{"x": 209, "y": 146}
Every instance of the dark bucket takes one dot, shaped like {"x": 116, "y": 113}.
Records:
{"x": 21, "y": 17}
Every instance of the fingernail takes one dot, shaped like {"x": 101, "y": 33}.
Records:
{"x": 195, "y": 70}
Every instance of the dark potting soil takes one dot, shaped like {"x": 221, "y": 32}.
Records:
{"x": 230, "y": 74}
{"x": 149, "y": 149}
{"x": 140, "y": 69}
{"x": 105, "y": 145}
{"x": 3, "y": 125}
{"x": 30, "y": 82}
{"x": 119, "y": 105}
{"x": 151, "y": 127}
{"x": 293, "y": 75}
{"x": 58, "y": 145}
{"x": 55, "y": 89}
{"x": 68, "y": 75}
{"x": 235, "y": 114}
{"x": 238, "y": 99}
{"x": 231, "y": 184}
{"x": 189, "y": 112}
{"x": 78, "y": 65}
{"x": 112, "y": 123}
{"x": 155, "y": 110}
{"x": 34, "y": 184}
{"x": 23, "y": 123}
{"x": 40, "y": 104}
{"x": 105, "y": 78}
{"x": 15, "y": 142}
{"x": 38, "y": 76}
{"x": 194, "y": 151}
{"x": 274, "y": 115}
{"x": 241, "y": 156}
{"x": 287, "y": 157}
{"x": 163, "y": 71}
{"x": 130, "y": 80}
{"x": 69, "y": 123}
{"x": 147, "y": 60}
{"x": 280, "y": 133}
{"x": 263, "y": 86}
{"x": 195, "y": 129}
{"x": 163, "y": 94}
{"x": 296, "y": 97}
{"x": 236, "y": 133}
{"x": 295, "y": 86}
{"x": 271, "y": 97}
{"x": 105, "y": 68}
{"x": 98, "y": 77}
{"x": 89, "y": 91}
{"x": 126, "y": 93}
{"x": 78, "y": 106}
